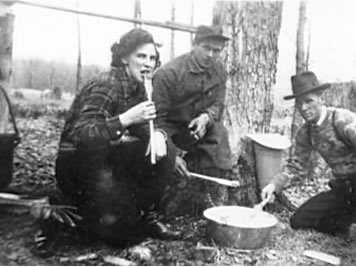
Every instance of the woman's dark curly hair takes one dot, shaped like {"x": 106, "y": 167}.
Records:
{"x": 128, "y": 43}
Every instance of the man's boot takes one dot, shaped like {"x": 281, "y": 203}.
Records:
{"x": 156, "y": 229}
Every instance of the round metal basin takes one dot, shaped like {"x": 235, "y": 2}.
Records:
{"x": 239, "y": 227}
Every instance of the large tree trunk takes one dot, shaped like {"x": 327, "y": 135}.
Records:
{"x": 6, "y": 32}
{"x": 251, "y": 60}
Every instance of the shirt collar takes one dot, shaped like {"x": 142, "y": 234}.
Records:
{"x": 122, "y": 75}
{"x": 322, "y": 116}
{"x": 194, "y": 66}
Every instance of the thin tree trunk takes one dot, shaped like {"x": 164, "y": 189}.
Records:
{"x": 173, "y": 15}
{"x": 192, "y": 19}
{"x": 6, "y": 37}
{"x": 300, "y": 67}
{"x": 307, "y": 57}
{"x": 300, "y": 55}
{"x": 79, "y": 62}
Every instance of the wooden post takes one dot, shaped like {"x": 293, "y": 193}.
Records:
{"x": 6, "y": 33}
{"x": 165, "y": 25}
{"x": 192, "y": 20}
{"x": 137, "y": 12}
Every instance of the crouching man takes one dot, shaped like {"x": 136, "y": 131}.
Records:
{"x": 190, "y": 94}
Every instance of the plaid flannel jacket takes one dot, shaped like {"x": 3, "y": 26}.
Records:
{"x": 94, "y": 114}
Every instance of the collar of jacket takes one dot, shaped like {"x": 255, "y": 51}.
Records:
{"x": 122, "y": 76}
{"x": 322, "y": 118}
{"x": 194, "y": 66}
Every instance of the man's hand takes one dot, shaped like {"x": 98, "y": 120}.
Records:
{"x": 268, "y": 192}
{"x": 140, "y": 113}
{"x": 181, "y": 167}
{"x": 198, "y": 126}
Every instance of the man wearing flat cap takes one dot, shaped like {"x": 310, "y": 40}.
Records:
{"x": 102, "y": 164}
{"x": 332, "y": 133}
{"x": 189, "y": 92}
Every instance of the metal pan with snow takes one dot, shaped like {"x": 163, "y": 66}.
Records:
{"x": 239, "y": 227}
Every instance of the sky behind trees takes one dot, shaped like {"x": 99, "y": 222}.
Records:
{"x": 52, "y": 35}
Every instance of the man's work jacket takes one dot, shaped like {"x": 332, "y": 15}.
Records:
{"x": 182, "y": 91}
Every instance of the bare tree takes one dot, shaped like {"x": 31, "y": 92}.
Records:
{"x": 300, "y": 65}
{"x": 191, "y": 19}
{"x": 6, "y": 37}
{"x": 300, "y": 55}
{"x": 250, "y": 57}
{"x": 79, "y": 62}
{"x": 173, "y": 15}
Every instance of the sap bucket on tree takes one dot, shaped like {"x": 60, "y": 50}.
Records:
{"x": 269, "y": 150}
{"x": 8, "y": 141}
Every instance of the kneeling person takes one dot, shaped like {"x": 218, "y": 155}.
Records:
{"x": 332, "y": 133}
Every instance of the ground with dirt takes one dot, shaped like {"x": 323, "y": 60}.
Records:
{"x": 34, "y": 174}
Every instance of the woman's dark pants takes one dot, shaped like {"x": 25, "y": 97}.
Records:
{"x": 113, "y": 186}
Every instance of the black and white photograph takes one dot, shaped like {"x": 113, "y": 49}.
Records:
{"x": 177, "y": 132}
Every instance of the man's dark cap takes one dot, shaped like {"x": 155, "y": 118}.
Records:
{"x": 209, "y": 32}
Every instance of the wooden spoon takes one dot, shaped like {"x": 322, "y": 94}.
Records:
{"x": 216, "y": 180}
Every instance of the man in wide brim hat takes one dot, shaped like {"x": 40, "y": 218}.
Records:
{"x": 332, "y": 133}
{"x": 305, "y": 82}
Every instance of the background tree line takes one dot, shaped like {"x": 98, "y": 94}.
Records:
{"x": 41, "y": 74}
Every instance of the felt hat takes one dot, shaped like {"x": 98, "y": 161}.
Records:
{"x": 304, "y": 83}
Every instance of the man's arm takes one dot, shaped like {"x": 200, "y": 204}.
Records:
{"x": 299, "y": 162}
{"x": 345, "y": 123}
